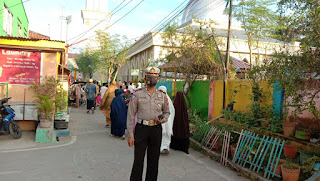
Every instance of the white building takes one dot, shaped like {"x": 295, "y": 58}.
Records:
{"x": 151, "y": 47}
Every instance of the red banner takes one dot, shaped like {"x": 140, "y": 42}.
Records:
{"x": 20, "y": 67}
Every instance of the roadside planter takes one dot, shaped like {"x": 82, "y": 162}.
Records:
{"x": 303, "y": 135}
{"x": 289, "y": 128}
{"x": 290, "y": 150}
{"x": 290, "y": 171}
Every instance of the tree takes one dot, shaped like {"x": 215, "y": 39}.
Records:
{"x": 302, "y": 21}
{"x": 257, "y": 19}
{"x": 193, "y": 54}
{"x": 88, "y": 62}
{"x": 112, "y": 53}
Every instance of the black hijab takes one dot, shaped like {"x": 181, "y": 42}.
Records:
{"x": 181, "y": 120}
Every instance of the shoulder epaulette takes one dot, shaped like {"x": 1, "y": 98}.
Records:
{"x": 137, "y": 90}
{"x": 162, "y": 91}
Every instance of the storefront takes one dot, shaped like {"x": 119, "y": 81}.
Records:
{"x": 24, "y": 61}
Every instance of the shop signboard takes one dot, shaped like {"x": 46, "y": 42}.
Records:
{"x": 20, "y": 67}
{"x": 134, "y": 72}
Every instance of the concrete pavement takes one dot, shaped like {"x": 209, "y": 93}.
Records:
{"x": 90, "y": 154}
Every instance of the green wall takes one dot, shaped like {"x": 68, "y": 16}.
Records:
{"x": 18, "y": 12}
{"x": 199, "y": 94}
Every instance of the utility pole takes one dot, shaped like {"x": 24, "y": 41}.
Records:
{"x": 228, "y": 42}
{"x": 68, "y": 20}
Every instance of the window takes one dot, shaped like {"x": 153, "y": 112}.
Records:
{"x": 7, "y": 20}
{"x": 19, "y": 29}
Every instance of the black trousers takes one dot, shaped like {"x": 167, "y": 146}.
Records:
{"x": 146, "y": 138}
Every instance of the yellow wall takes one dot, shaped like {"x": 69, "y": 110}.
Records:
{"x": 242, "y": 98}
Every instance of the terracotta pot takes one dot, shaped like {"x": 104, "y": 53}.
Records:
{"x": 232, "y": 150}
{"x": 290, "y": 174}
{"x": 278, "y": 170}
{"x": 290, "y": 151}
{"x": 45, "y": 124}
{"x": 303, "y": 135}
{"x": 289, "y": 129}
{"x": 216, "y": 145}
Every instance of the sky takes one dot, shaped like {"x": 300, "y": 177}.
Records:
{"x": 44, "y": 17}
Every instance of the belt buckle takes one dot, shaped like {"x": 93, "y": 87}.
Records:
{"x": 151, "y": 123}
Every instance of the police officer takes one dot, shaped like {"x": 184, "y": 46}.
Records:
{"x": 152, "y": 109}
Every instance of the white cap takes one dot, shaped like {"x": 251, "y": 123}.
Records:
{"x": 90, "y": 80}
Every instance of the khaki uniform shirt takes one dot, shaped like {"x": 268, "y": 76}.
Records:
{"x": 147, "y": 107}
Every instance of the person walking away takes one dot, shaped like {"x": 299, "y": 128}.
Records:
{"x": 97, "y": 94}
{"x": 91, "y": 91}
{"x": 106, "y": 102}
{"x": 180, "y": 139}
{"x": 118, "y": 115}
{"x": 131, "y": 86}
{"x": 103, "y": 90}
{"x": 152, "y": 109}
{"x": 167, "y": 126}
{"x": 119, "y": 84}
{"x": 139, "y": 84}
{"x": 78, "y": 94}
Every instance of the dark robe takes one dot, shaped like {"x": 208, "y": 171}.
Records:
{"x": 180, "y": 139}
{"x": 118, "y": 114}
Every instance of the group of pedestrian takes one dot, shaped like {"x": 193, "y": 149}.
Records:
{"x": 154, "y": 123}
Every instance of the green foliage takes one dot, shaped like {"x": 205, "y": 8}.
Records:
{"x": 49, "y": 95}
{"x": 258, "y": 20}
{"x": 297, "y": 74}
{"x": 301, "y": 19}
{"x": 291, "y": 166}
{"x": 135, "y": 82}
{"x": 88, "y": 62}
{"x": 45, "y": 106}
{"x": 309, "y": 164}
{"x": 192, "y": 53}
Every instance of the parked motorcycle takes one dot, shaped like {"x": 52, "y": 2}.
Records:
{"x": 7, "y": 122}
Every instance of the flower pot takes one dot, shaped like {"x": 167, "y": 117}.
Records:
{"x": 288, "y": 128}
{"x": 278, "y": 170}
{"x": 216, "y": 145}
{"x": 45, "y": 124}
{"x": 232, "y": 150}
{"x": 290, "y": 151}
{"x": 290, "y": 174}
{"x": 303, "y": 135}
{"x": 316, "y": 166}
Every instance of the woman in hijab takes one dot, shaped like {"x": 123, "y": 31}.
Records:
{"x": 180, "y": 139}
{"x": 118, "y": 115}
{"x": 106, "y": 102}
{"x": 167, "y": 126}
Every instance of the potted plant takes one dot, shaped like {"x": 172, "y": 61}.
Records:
{"x": 289, "y": 126}
{"x": 278, "y": 169}
{"x": 290, "y": 171}
{"x": 290, "y": 150}
{"x": 303, "y": 133}
{"x": 45, "y": 93}
{"x": 305, "y": 153}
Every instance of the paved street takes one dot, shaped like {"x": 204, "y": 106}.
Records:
{"x": 90, "y": 154}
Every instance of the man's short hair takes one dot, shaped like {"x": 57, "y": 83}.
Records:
{"x": 120, "y": 86}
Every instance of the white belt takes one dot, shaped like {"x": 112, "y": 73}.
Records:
{"x": 147, "y": 122}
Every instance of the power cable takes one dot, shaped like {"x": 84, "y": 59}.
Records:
{"x": 117, "y": 20}
{"x": 112, "y": 12}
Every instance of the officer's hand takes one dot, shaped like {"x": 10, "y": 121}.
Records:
{"x": 130, "y": 141}
{"x": 159, "y": 121}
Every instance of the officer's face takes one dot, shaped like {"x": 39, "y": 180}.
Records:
{"x": 151, "y": 81}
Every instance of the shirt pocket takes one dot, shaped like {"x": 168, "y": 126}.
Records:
{"x": 158, "y": 104}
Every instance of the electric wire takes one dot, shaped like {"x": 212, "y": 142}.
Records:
{"x": 118, "y": 19}
{"x": 112, "y": 12}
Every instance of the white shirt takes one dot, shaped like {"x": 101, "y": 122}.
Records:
{"x": 103, "y": 91}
